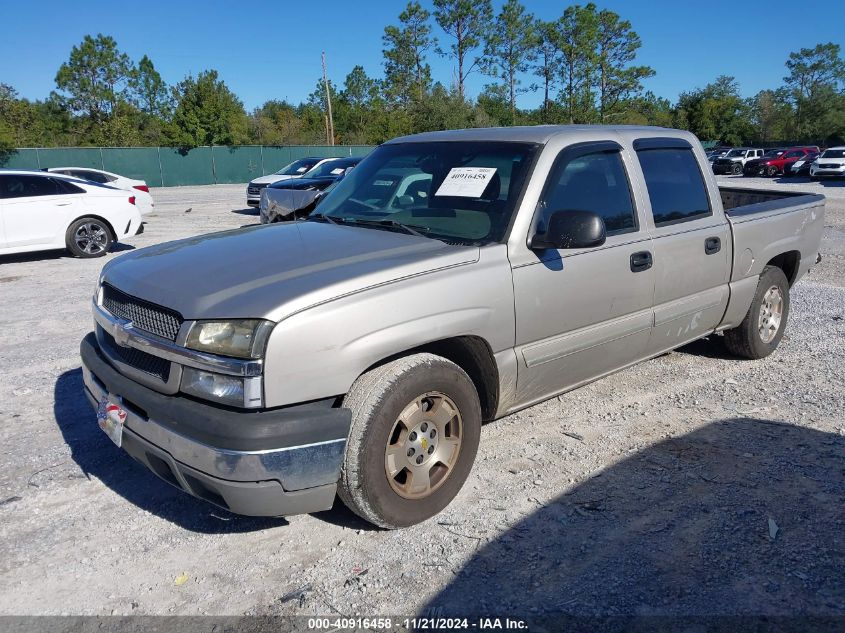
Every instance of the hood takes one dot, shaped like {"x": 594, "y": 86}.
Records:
{"x": 269, "y": 179}
{"x": 275, "y": 270}
{"x": 306, "y": 183}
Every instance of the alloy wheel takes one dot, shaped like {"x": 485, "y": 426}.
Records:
{"x": 423, "y": 445}
{"x": 771, "y": 314}
{"x": 91, "y": 238}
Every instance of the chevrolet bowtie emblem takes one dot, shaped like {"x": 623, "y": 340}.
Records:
{"x": 121, "y": 333}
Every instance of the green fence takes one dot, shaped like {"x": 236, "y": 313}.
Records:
{"x": 170, "y": 167}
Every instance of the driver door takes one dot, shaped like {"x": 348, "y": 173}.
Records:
{"x": 583, "y": 313}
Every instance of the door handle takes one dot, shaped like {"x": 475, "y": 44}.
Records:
{"x": 641, "y": 261}
{"x": 62, "y": 204}
{"x": 712, "y": 245}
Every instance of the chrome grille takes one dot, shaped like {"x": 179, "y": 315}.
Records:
{"x": 255, "y": 189}
{"x": 144, "y": 315}
{"x": 147, "y": 363}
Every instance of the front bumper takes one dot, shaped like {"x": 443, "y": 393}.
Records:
{"x": 260, "y": 463}
{"x": 820, "y": 172}
{"x": 723, "y": 168}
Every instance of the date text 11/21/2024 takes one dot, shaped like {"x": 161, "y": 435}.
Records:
{"x": 417, "y": 623}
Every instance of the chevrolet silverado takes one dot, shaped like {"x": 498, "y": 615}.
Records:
{"x": 271, "y": 368}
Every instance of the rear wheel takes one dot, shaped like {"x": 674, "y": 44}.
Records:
{"x": 89, "y": 237}
{"x": 416, "y": 423}
{"x": 771, "y": 171}
{"x": 762, "y": 328}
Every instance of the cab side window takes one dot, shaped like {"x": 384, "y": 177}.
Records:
{"x": 595, "y": 182}
{"x": 675, "y": 185}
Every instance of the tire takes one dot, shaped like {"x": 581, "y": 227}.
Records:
{"x": 736, "y": 169}
{"x": 756, "y": 337}
{"x": 89, "y": 237}
{"x": 772, "y": 171}
{"x": 388, "y": 407}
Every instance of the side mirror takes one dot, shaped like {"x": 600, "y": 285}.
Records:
{"x": 571, "y": 229}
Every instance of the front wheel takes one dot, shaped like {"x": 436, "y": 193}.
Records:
{"x": 772, "y": 171}
{"x": 416, "y": 424}
{"x": 762, "y": 328}
{"x": 89, "y": 237}
{"x": 736, "y": 169}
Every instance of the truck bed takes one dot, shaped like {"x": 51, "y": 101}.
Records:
{"x": 738, "y": 201}
{"x": 768, "y": 223}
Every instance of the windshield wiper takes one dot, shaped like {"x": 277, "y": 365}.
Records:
{"x": 323, "y": 216}
{"x": 390, "y": 224}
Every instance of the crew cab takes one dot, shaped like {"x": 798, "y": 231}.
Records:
{"x": 734, "y": 160}
{"x": 356, "y": 353}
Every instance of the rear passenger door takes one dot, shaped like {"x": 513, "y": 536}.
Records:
{"x": 581, "y": 313}
{"x": 692, "y": 244}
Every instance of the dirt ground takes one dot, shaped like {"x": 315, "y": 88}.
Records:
{"x": 692, "y": 484}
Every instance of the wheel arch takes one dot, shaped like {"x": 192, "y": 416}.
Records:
{"x": 93, "y": 216}
{"x": 789, "y": 263}
{"x": 472, "y": 354}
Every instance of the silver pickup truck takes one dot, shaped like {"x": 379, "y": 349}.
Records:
{"x": 357, "y": 353}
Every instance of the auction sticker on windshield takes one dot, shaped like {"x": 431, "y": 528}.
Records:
{"x": 466, "y": 182}
{"x": 111, "y": 418}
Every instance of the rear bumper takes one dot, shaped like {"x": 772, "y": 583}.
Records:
{"x": 258, "y": 463}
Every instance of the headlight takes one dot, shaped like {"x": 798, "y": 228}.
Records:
{"x": 231, "y": 390}
{"x": 244, "y": 338}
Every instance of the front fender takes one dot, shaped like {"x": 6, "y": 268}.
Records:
{"x": 320, "y": 351}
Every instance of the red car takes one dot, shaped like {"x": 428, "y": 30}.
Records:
{"x": 779, "y": 164}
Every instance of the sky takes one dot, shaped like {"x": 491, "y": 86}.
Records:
{"x": 271, "y": 50}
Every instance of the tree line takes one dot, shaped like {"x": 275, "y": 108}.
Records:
{"x": 583, "y": 64}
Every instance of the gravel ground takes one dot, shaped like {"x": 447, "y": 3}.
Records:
{"x": 691, "y": 484}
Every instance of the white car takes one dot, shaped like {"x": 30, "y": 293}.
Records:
{"x": 42, "y": 211}
{"x": 831, "y": 162}
{"x": 143, "y": 199}
{"x": 296, "y": 169}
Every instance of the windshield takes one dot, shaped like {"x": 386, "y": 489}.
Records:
{"x": 455, "y": 191}
{"x": 833, "y": 153}
{"x": 298, "y": 167}
{"x": 736, "y": 152}
{"x": 330, "y": 168}
{"x": 773, "y": 153}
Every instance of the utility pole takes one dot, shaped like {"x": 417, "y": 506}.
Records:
{"x": 330, "y": 126}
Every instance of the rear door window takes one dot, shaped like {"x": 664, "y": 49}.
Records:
{"x": 675, "y": 185}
